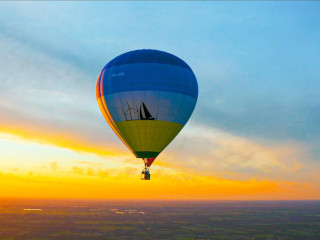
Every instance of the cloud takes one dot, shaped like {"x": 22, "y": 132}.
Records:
{"x": 126, "y": 184}
{"x": 164, "y": 185}
{"x": 54, "y": 166}
{"x": 89, "y": 163}
{"x": 218, "y": 153}
{"x": 264, "y": 117}
{"x": 77, "y": 170}
{"x": 49, "y": 101}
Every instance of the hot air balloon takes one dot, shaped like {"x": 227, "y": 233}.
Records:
{"x": 146, "y": 96}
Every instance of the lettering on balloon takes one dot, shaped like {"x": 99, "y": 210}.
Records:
{"x": 120, "y": 74}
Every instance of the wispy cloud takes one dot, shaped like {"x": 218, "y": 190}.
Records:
{"x": 221, "y": 153}
{"x": 54, "y": 166}
{"x": 125, "y": 185}
{"x": 49, "y": 101}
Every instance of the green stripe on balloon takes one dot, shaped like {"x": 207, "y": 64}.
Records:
{"x": 148, "y": 135}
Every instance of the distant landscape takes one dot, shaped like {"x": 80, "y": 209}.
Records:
{"x": 80, "y": 219}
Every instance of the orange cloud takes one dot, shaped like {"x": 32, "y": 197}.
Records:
{"x": 218, "y": 152}
{"x": 169, "y": 180}
{"x": 58, "y": 138}
{"x": 125, "y": 184}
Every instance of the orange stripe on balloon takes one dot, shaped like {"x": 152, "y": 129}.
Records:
{"x": 104, "y": 104}
{"x": 97, "y": 87}
{"x": 105, "y": 111}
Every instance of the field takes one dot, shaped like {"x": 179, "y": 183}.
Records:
{"x": 79, "y": 219}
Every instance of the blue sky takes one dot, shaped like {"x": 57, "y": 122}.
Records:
{"x": 257, "y": 65}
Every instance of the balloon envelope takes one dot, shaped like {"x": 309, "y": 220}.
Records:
{"x": 147, "y": 96}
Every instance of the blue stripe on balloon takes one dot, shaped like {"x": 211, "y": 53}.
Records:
{"x": 147, "y": 56}
{"x": 150, "y": 77}
{"x": 164, "y": 106}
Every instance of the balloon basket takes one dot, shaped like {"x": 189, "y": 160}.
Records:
{"x": 145, "y": 174}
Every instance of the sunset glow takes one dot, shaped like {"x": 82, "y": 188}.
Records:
{"x": 254, "y": 134}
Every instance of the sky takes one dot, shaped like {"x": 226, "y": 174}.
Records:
{"x": 254, "y": 134}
